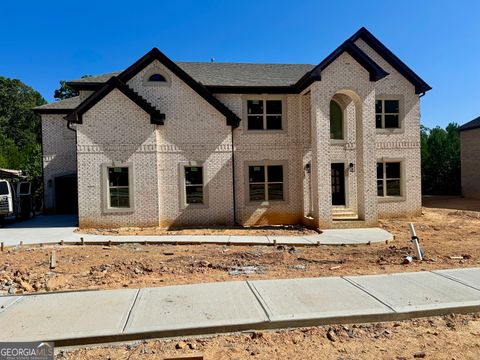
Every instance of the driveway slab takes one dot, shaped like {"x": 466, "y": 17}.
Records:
{"x": 420, "y": 292}
{"x": 198, "y": 308}
{"x": 469, "y": 277}
{"x": 73, "y": 315}
{"x": 306, "y": 302}
{"x": 354, "y": 236}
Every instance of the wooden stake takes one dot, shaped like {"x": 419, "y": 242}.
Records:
{"x": 1, "y": 246}
{"x": 61, "y": 242}
{"x": 21, "y": 244}
{"x": 53, "y": 259}
{"x": 82, "y": 241}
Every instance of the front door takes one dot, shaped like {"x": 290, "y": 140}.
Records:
{"x": 338, "y": 184}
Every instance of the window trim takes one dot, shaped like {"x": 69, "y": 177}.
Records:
{"x": 183, "y": 185}
{"x": 106, "y": 208}
{"x": 282, "y": 98}
{"x": 391, "y": 198}
{"x": 401, "y": 114}
{"x": 154, "y": 71}
{"x": 266, "y": 163}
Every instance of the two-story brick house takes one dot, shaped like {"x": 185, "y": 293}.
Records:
{"x": 166, "y": 143}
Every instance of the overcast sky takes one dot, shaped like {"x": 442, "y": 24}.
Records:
{"x": 42, "y": 42}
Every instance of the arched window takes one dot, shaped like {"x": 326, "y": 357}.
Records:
{"x": 157, "y": 78}
{"x": 336, "y": 121}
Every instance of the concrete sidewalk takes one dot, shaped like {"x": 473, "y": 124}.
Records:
{"x": 87, "y": 317}
{"x": 52, "y": 229}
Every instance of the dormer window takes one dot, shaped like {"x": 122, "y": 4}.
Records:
{"x": 157, "y": 78}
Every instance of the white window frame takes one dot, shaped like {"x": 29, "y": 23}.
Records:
{"x": 107, "y": 208}
{"x": 266, "y": 164}
{"x": 183, "y": 185}
{"x": 401, "y": 115}
{"x": 265, "y": 98}
{"x": 391, "y": 198}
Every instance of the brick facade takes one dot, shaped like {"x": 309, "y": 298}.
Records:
{"x": 117, "y": 131}
{"x": 470, "y": 157}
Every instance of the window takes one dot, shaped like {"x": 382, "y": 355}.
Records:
{"x": 264, "y": 114}
{"x": 3, "y": 188}
{"x": 387, "y": 114}
{"x": 194, "y": 184}
{"x": 157, "y": 78}
{"x": 389, "y": 179}
{"x": 118, "y": 187}
{"x": 265, "y": 183}
{"x": 336, "y": 121}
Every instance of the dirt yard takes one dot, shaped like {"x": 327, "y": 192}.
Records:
{"x": 437, "y": 338}
{"x": 449, "y": 235}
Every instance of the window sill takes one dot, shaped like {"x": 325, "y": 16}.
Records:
{"x": 266, "y": 203}
{"x": 338, "y": 142}
{"x": 388, "y": 199}
{"x": 390, "y": 131}
{"x": 118, "y": 211}
{"x": 195, "y": 206}
{"x": 264, "y": 132}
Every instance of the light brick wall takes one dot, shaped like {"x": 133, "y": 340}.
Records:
{"x": 470, "y": 157}
{"x": 117, "y": 131}
{"x": 59, "y": 157}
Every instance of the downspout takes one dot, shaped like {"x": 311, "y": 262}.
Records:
{"x": 69, "y": 127}
{"x": 233, "y": 180}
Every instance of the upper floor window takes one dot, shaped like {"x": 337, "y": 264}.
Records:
{"x": 264, "y": 114}
{"x": 157, "y": 78}
{"x": 336, "y": 121}
{"x": 387, "y": 114}
{"x": 389, "y": 179}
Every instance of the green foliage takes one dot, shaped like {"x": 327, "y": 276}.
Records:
{"x": 441, "y": 160}
{"x": 20, "y": 133}
{"x": 65, "y": 91}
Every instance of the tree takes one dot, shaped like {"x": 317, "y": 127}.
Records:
{"x": 65, "y": 91}
{"x": 20, "y": 127}
{"x": 441, "y": 160}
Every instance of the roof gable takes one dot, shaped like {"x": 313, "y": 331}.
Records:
{"x": 420, "y": 85}
{"x": 375, "y": 71}
{"x": 156, "y": 117}
{"x": 155, "y": 54}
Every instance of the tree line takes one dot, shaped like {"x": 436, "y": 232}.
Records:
{"x": 20, "y": 139}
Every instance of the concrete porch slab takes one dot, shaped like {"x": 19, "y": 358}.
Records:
{"x": 469, "y": 277}
{"x": 420, "y": 292}
{"x": 305, "y": 302}
{"x": 354, "y": 236}
{"x": 191, "y": 309}
{"x": 73, "y": 315}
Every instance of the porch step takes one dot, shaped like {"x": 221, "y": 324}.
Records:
{"x": 348, "y": 224}
{"x": 343, "y": 214}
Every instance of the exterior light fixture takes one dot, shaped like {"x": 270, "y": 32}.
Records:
{"x": 308, "y": 168}
{"x": 351, "y": 167}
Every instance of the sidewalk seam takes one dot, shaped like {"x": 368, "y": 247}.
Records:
{"x": 259, "y": 299}
{"x": 360, "y": 287}
{"x": 455, "y": 280}
{"x": 130, "y": 311}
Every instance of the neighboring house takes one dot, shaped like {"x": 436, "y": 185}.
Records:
{"x": 167, "y": 144}
{"x": 470, "y": 158}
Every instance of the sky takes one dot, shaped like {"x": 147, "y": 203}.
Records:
{"x": 43, "y": 42}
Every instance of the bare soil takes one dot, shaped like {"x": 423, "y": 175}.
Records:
{"x": 450, "y": 237}
{"x": 272, "y": 230}
{"x": 448, "y": 337}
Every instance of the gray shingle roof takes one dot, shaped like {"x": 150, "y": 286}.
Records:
{"x": 474, "y": 124}
{"x": 70, "y": 103}
{"x": 232, "y": 74}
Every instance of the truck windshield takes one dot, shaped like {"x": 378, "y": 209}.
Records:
{"x": 3, "y": 188}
